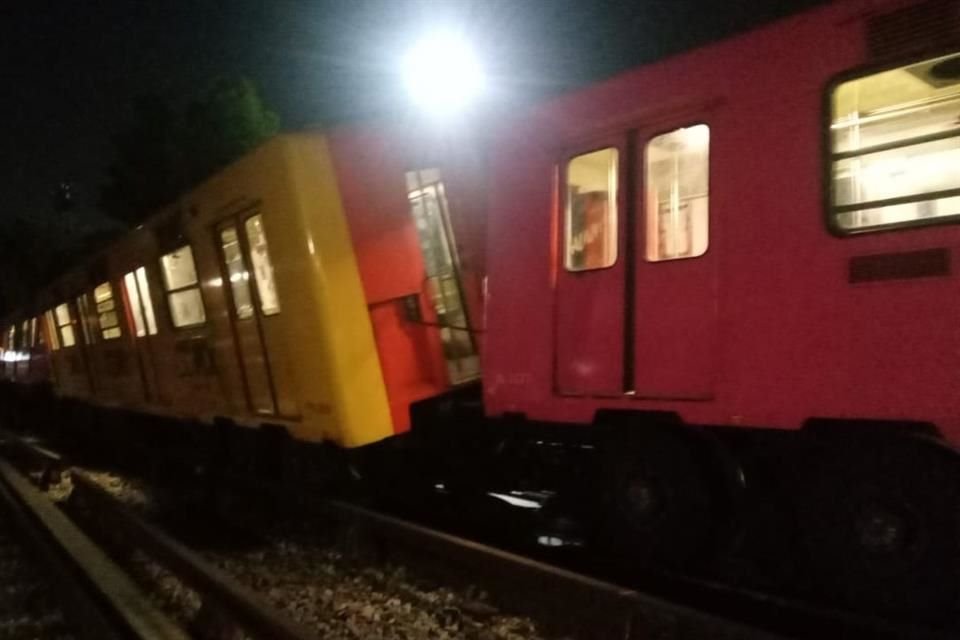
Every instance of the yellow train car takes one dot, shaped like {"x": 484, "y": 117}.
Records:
{"x": 244, "y": 302}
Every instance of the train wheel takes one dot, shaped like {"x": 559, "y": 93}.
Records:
{"x": 659, "y": 508}
{"x": 881, "y": 523}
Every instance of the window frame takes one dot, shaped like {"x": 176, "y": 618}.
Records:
{"x": 827, "y": 156}
{"x": 620, "y": 144}
{"x": 196, "y": 284}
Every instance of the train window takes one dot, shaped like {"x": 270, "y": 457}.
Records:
{"x": 237, "y": 273}
{"x": 65, "y": 324}
{"x": 179, "y": 269}
{"x": 677, "y": 194}
{"x": 183, "y": 289}
{"x": 141, "y": 306}
{"x": 895, "y": 146}
{"x": 262, "y": 266}
{"x": 591, "y": 210}
{"x": 106, "y": 311}
{"x": 52, "y": 330}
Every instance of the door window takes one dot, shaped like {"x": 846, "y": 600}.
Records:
{"x": 590, "y": 219}
{"x": 51, "y": 324}
{"x": 237, "y": 273}
{"x": 147, "y": 300}
{"x": 141, "y": 306}
{"x": 262, "y": 266}
{"x": 677, "y": 193}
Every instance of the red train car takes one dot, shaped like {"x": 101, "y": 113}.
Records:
{"x": 739, "y": 264}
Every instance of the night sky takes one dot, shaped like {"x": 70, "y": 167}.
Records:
{"x": 70, "y": 67}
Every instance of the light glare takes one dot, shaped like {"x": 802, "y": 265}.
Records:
{"x": 442, "y": 73}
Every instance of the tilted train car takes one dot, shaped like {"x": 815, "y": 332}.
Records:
{"x": 739, "y": 264}
{"x": 315, "y": 285}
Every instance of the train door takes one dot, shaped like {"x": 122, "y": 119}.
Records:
{"x": 442, "y": 284}
{"x": 142, "y": 327}
{"x": 636, "y": 289}
{"x": 76, "y": 375}
{"x": 675, "y": 269}
{"x": 245, "y": 312}
{"x": 88, "y": 329}
{"x": 590, "y": 281}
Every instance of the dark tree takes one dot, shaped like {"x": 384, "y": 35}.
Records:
{"x": 166, "y": 151}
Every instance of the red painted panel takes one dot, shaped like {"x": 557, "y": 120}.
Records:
{"x": 371, "y": 176}
{"x": 675, "y": 337}
{"x": 408, "y": 358}
{"x": 589, "y": 331}
{"x": 371, "y": 161}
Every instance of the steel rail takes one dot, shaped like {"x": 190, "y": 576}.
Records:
{"x": 98, "y": 598}
{"x": 580, "y": 605}
{"x": 242, "y": 606}
{"x": 587, "y": 607}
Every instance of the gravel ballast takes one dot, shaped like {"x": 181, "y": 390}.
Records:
{"x": 307, "y": 572}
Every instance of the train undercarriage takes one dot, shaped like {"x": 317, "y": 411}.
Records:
{"x": 860, "y": 514}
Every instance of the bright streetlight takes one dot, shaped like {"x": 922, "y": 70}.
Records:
{"x": 443, "y": 74}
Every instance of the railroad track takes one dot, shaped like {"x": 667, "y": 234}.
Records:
{"x": 56, "y": 583}
{"x": 106, "y": 603}
{"x": 593, "y": 608}
{"x": 578, "y": 605}
{"x": 28, "y": 606}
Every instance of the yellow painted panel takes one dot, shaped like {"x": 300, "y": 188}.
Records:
{"x": 354, "y": 401}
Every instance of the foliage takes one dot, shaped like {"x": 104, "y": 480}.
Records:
{"x": 165, "y": 151}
